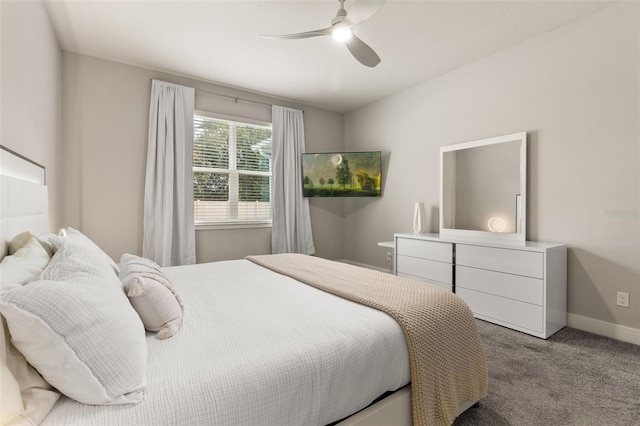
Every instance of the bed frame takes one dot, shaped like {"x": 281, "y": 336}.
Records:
{"x": 24, "y": 207}
{"x": 392, "y": 410}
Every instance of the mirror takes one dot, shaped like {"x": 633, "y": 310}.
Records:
{"x": 483, "y": 188}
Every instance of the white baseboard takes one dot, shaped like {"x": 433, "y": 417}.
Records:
{"x": 603, "y": 328}
{"x": 364, "y": 265}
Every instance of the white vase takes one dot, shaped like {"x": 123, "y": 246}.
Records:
{"x": 419, "y": 219}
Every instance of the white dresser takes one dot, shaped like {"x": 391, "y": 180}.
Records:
{"x": 522, "y": 286}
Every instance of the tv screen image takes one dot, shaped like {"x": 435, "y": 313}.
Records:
{"x": 341, "y": 174}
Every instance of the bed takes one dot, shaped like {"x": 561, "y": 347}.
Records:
{"x": 255, "y": 346}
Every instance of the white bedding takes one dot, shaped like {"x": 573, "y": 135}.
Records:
{"x": 258, "y": 348}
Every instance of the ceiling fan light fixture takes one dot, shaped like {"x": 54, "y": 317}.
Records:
{"x": 341, "y": 29}
{"x": 342, "y": 33}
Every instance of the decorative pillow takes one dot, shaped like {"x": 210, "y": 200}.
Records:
{"x": 77, "y": 238}
{"x": 24, "y": 265}
{"x": 152, "y": 295}
{"x": 76, "y": 327}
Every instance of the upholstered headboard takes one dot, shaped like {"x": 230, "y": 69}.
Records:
{"x": 23, "y": 197}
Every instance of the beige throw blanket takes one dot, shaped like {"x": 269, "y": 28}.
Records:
{"x": 447, "y": 360}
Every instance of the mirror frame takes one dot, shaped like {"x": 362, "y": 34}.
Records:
{"x": 487, "y": 235}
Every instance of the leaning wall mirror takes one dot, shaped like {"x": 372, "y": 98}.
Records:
{"x": 483, "y": 188}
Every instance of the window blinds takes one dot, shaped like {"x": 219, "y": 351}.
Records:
{"x": 231, "y": 172}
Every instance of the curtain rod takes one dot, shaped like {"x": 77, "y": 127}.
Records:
{"x": 236, "y": 99}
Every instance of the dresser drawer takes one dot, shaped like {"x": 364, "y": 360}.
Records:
{"x": 503, "y": 310}
{"x": 442, "y": 252}
{"x": 515, "y": 287}
{"x": 425, "y": 269}
{"x": 445, "y": 286}
{"x": 519, "y": 262}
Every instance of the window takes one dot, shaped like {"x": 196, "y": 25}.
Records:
{"x": 231, "y": 172}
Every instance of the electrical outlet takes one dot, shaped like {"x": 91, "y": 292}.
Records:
{"x": 623, "y": 299}
{"x": 388, "y": 255}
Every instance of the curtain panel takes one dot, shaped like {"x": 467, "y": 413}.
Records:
{"x": 291, "y": 224}
{"x": 169, "y": 230}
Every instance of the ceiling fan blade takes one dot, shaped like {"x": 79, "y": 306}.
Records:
{"x": 307, "y": 34}
{"x": 362, "y": 52}
{"x": 363, "y": 10}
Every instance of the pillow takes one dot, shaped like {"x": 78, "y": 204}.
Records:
{"x": 46, "y": 240}
{"x": 22, "y": 239}
{"x": 76, "y": 327}
{"x": 19, "y": 241}
{"x": 26, "y": 397}
{"x": 24, "y": 265}
{"x": 77, "y": 238}
{"x": 152, "y": 295}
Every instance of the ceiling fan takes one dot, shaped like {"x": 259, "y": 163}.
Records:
{"x": 341, "y": 29}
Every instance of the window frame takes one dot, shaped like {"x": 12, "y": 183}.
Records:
{"x": 202, "y": 226}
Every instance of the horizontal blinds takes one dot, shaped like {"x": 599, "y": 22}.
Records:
{"x": 231, "y": 172}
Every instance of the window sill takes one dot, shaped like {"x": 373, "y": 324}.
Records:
{"x": 223, "y": 226}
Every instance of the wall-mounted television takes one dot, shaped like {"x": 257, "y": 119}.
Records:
{"x": 341, "y": 174}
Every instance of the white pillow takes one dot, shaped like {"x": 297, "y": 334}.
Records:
{"x": 46, "y": 241}
{"x": 26, "y": 397}
{"x": 152, "y": 295}
{"x": 77, "y": 238}
{"x": 19, "y": 241}
{"x": 24, "y": 265}
{"x": 77, "y": 328}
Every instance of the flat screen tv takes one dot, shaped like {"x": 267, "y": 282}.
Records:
{"x": 341, "y": 174}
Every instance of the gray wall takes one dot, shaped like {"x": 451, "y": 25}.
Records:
{"x": 30, "y": 83}
{"x": 106, "y": 115}
{"x": 575, "y": 90}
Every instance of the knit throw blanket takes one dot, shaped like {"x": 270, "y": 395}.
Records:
{"x": 447, "y": 359}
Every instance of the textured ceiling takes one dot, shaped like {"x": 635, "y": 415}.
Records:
{"x": 220, "y": 41}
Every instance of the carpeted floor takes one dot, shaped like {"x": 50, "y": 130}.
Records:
{"x": 573, "y": 378}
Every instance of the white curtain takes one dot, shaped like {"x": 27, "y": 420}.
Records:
{"x": 291, "y": 229}
{"x": 169, "y": 230}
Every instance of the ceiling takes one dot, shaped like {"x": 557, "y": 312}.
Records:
{"x": 219, "y": 41}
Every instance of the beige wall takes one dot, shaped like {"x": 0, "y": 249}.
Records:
{"x": 30, "y": 91}
{"x": 106, "y": 115}
{"x": 576, "y": 92}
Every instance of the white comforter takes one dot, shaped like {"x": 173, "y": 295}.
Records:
{"x": 258, "y": 348}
